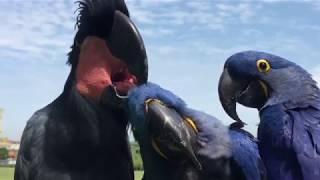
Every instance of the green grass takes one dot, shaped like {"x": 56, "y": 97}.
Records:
{"x": 138, "y": 175}
{"x": 7, "y": 174}
{"x": 137, "y": 161}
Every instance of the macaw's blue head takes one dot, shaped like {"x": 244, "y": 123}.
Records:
{"x": 257, "y": 79}
{"x": 159, "y": 126}
{"x": 140, "y": 98}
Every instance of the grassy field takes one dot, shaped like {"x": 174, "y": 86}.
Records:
{"x": 7, "y": 174}
{"x": 138, "y": 175}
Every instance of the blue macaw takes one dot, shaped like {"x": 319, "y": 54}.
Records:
{"x": 179, "y": 143}
{"x": 288, "y": 101}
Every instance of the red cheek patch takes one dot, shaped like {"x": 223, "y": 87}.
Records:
{"x": 94, "y": 68}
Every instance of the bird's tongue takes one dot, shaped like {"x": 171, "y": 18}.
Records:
{"x": 123, "y": 86}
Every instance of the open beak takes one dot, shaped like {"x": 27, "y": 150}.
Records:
{"x": 125, "y": 43}
{"x": 250, "y": 93}
{"x": 171, "y": 134}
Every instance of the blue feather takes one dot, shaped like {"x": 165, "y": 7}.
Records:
{"x": 246, "y": 154}
{"x": 306, "y": 140}
{"x": 289, "y": 142}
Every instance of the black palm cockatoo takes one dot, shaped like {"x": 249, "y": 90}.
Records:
{"x": 82, "y": 135}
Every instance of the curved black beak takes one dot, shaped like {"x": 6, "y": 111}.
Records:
{"x": 171, "y": 133}
{"x": 228, "y": 92}
{"x": 125, "y": 43}
{"x": 250, "y": 93}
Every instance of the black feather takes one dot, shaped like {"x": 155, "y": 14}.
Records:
{"x": 95, "y": 18}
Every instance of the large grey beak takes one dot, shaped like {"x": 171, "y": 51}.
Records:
{"x": 228, "y": 92}
{"x": 171, "y": 133}
{"x": 250, "y": 93}
{"x": 125, "y": 43}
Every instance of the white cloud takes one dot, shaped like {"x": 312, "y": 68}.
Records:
{"x": 277, "y": 1}
{"x": 152, "y": 32}
{"x": 316, "y": 4}
{"x": 242, "y": 11}
{"x": 192, "y": 15}
{"x": 36, "y": 28}
{"x": 152, "y": 1}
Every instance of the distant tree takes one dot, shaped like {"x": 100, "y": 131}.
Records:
{"x": 3, "y": 153}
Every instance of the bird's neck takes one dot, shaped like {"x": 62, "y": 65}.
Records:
{"x": 88, "y": 114}
{"x": 294, "y": 89}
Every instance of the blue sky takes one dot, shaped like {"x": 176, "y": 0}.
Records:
{"x": 187, "y": 43}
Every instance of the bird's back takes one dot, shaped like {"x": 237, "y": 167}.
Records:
{"x": 246, "y": 162}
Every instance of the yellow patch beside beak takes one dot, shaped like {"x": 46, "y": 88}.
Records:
{"x": 265, "y": 88}
{"x": 192, "y": 124}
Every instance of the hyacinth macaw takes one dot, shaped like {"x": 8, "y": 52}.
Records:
{"x": 82, "y": 134}
{"x": 180, "y": 143}
{"x": 288, "y": 101}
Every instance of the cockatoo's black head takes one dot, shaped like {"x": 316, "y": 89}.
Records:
{"x": 257, "y": 80}
{"x": 108, "y": 56}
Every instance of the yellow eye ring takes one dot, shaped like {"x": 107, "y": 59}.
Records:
{"x": 263, "y": 65}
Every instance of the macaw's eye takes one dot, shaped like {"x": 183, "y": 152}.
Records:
{"x": 263, "y": 65}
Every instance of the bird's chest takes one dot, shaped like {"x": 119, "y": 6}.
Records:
{"x": 87, "y": 147}
{"x": 275, "y": 143}
{"x": 106, "y": 160}
{"x": 275, "y": 128}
